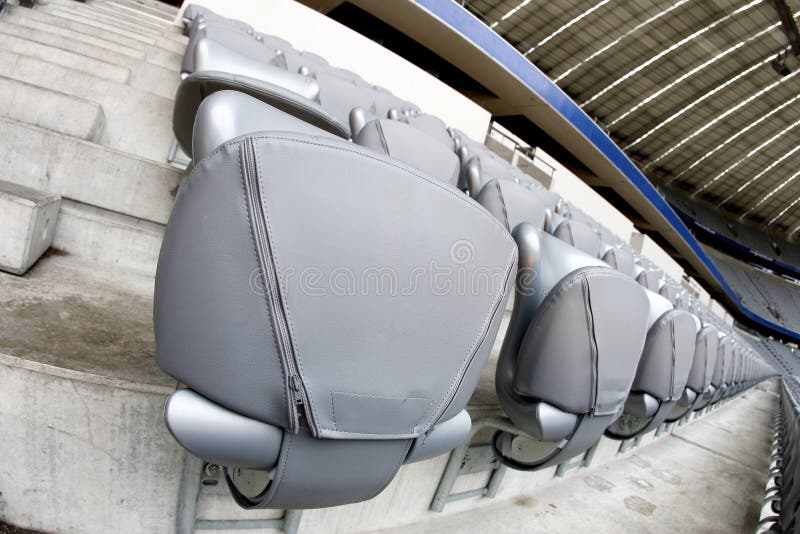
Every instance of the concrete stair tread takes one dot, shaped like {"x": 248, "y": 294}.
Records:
{"x": 68, "y": 317}
{"x": 78, "y": 62}
{"x": 50, "y": 109}
{"x": 104, "y": 16}
{"x": 140, "y": 10}
{"x": 114, "y": 41}
{"x": 130, "y": 17}
{"x": 146, "y": 76}
{"x": 72, "y": 43}
{"x": 88, "y": 40}
{"x": 100, "y": 25}
{"x": 108, "y": 237}
{"x": 87, "y": 172}
{"x": 137, "y": 122}
{"x": 163, "y": 34}
{"x": 150, "y": 6}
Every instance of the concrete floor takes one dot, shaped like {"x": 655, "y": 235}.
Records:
{"x": 707, "y": 477}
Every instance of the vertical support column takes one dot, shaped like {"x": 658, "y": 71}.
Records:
{"x": 585, "y": 461}
{"x": 189, "y": 493}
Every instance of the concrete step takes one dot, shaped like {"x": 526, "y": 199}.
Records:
{"x": 70, "y": 41}
{"x": 76, "y": 62}
{"x": 146, "y": 76}
{"x": 139, "y": 10}
{"x": 162, "y": 32}
{"x": 129, "y": 16}
{"x": 151, "y": 6}
{"x": 168, "y": 59}
{"x": 108, "y": 237}
{"x": 112, "y": 40}
{"x": 71, "y": 15}
{"x": 155, "y": 79}
{"x": 137, "y": 122}
{"x": 111, "y": 46}
{"x": 52, "y": 110}
{"x": 132, "y": 16}
{"x": 110, "y": 21}
{"x": 86, "y": 172}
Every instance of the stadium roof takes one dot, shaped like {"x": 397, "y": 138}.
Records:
{"x": 703, "y": 95}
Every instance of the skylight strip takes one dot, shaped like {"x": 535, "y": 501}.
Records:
{"x": 747, "y": 156}
{"x": 717, "y": 119}
{"x": 671, "y": 49}
{"x": 510, "y": 13}
{"x": 783, "y": 211}
{"x": 619, "y": 39}
{"x": 733, "y": 137}
{"x": 752, "y": 180}
{"x": 771, "y": 194}
{"x": 699, "y": 100}
{"x": 567, "y": 26}
{"x": 692, "y": 72}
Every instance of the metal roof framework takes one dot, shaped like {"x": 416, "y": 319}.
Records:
{"x": 689, "y": 89}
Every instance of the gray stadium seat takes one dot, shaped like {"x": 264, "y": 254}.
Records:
{"x": 663, "y": 370}
{"x": 327, "y": 385}
{"x": 411, "y": 146}
{"x": 719, "y": 380}
{"x": 570, "y": 352}
{"x": 228, "y": 114}
{"x": 698, "y": 383}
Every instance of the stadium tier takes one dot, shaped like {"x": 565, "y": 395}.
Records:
{"x": 248, "y": 288}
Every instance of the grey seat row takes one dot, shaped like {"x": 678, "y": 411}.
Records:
{"x": 228, "y": 54}
{"x": 782, "y": 499}
{"x": 330, "y": 303}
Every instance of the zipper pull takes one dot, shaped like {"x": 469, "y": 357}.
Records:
{"x": 298, "y": 409}
{"x": 295, "y": 380}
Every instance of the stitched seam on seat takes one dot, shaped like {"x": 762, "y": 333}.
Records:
{"x": 392, "y": 163}
{"x": 502, "y": 204}
{"x": 261, "y": 267}
{"x": 333, "y": 410}
{"x": 476, "y": 344}
{"x": 560, "y": 288}
{"x": 469, "y": 203}
{"x": 593, "y": 348}
{"x": 284, "y": 298}
{"x": 382, "y": 138}
{"x": 241, "y": 81}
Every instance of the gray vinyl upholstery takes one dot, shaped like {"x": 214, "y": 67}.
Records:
{"x": 570, "y": 351}
{"x": 225, "y": 115}
{"x": 199, "y": 85}
{"x": 411, "y": 146}
{"x": 434, "y": 127}
{"x": 522, "y": 206}
{"x": 705, "y": 357}
{"x": 375, "y": 379}
{"x": 722, "y": 366}
{"x": 579, "y": 235}
{"x": 662, "y": 372}
{"x": 232, "y": 36}
{"x": 303, "y": 296}
{"x": 621, "y": 259}
{"x": 650, "y": 278}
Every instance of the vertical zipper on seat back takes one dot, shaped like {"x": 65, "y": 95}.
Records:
{"x": 672, "y": 392}
{"x": 587, "y": 304}
{"x": 297, "y": 396}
